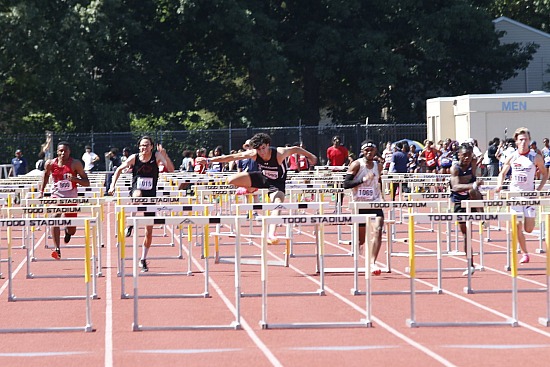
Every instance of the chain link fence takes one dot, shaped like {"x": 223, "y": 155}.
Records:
{"x": 316, "y": 139}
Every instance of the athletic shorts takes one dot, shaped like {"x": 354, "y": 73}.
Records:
{"x": 528, "y": 211}
{"x": 459, "y": 209}
{"x": 378, "y": 212}
{"x": 259, "y": 181}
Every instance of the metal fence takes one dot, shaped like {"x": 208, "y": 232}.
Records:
{"x": 315, "y": 139}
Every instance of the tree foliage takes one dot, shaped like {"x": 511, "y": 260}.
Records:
{"x": 115, "y": 65}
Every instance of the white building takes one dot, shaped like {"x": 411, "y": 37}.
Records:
{"x": 486, "y": 116}
{"x": 535, "y": 75}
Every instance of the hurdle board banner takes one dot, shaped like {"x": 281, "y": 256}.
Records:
{"x": 321, "y": 190}
{"x": 527, "y": 193}
{"x": 503, "y": 203}
{"x": 281, "y": 206}
{"x": 51, "y": 210}
{"x": 333, "y": 219}
{"x": 165, "y": 208}
{"x": 461, "y": 217}
{"x": 153, "y": 200}
{"x": 435, "y": 195}
{"x": 54, "y": 201}
{"x": 397, "y": 204}
{"x": 9, "y": 189}
{"x": 37, "y": 222}
{"x": 215, "y": 187}
{"x": 198, "y": 219}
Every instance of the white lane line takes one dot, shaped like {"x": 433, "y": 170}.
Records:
{"x": 21, "y": 264}
{"x": 109, "y": 299}
{"x": 244, "y": 324}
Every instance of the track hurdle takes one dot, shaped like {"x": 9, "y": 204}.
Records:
{"x": 468, "y": 218}
{"x": 288, "y": 238}
{"x": 321, "y": 221}
{"x": 79, "y": 202}
{"x": 15, "y": 213}
{"x": 174, "y": 210}
{"x": 469, "y": 204}
{"x": 546, "y": 319}
{"x": 90, "y": 235}
{"x": 185, "y": 220}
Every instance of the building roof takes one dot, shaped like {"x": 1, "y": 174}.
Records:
{"x": 521, "y": 25}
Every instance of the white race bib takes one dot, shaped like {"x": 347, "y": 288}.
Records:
{"x": 519, "y": 178}
{"x": 366, "y": 193}
{"x": 145, "y": 183}
{"x": 272, "y": 175}
{"x": 547, "y": 159}
{"x": 64, "y": 185}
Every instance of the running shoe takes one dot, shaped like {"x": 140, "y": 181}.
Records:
{"x": 56, "y": 254}
{"x": 272, "y": 240}
{"x": 524, "y": 259}
{"x": 245, "y": 191}
{"x": 375, "y": 270}
{"x": 128, "y": 231}
{"x": 143, "y": 266}
{"x": 67, "y": 237}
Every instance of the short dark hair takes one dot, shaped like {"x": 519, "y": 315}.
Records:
{"x": 258, "y": 139}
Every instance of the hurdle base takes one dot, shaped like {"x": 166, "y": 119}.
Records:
{"x": 540, "y": 251}
{"x": 544, "y": 321}
{"x": 317, "y": 325}
{"x": 508, "y": 322}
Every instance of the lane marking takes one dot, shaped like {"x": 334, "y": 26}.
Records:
{"x": 345, "y": 348}
{"x": 185, "y": 351}
{"x": 109, "y": 300}
{"x": 41, "y": 354}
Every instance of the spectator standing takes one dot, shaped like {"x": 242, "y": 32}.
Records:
{"x": 90, "y": 159}
{"x": 546, "y": 153}
{"x": 19, "y": 165}
{"x": 398, "y": 165}
{"x": 492, "y": 165}
{"x": 187, "y": 163}
{"x": 337, "y": 154}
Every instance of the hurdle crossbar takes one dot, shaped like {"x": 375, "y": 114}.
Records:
{"x": 179, "y": 220}
{"x": 321, "y": 220}
{"x": 415, "y": 218}
{"x": 88, "y": 273}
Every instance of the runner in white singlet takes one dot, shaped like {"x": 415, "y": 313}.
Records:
{"x": 523, "y": 168}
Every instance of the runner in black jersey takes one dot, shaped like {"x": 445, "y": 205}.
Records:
{"x": 464, "y": 187}
{"x": 271, "y": 172}
{"x": 145, "y": 172}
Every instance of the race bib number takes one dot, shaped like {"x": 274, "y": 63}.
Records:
{"x": 366, "y": 193}
{"x": 145, "y": 183}
{"x": 64, "y": 185}
{"x": 303, "y": 164}
{"x": 430, "y": 163}
{"x": 272, "y": 175}
{"x": 547, "y": 159}
{"x": 520, "y": 178}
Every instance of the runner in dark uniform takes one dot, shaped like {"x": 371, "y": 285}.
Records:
{"x": 464, "y": 187}
{"x": 271, "y": 172}
{"x": 145, "y": 172}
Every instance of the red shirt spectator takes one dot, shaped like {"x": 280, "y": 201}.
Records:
{"x": 337, "y": 155}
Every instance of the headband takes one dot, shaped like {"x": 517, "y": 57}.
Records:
{"x": 368, "y": 145}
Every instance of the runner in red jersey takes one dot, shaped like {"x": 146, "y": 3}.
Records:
{"x": 66, "y": 174}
